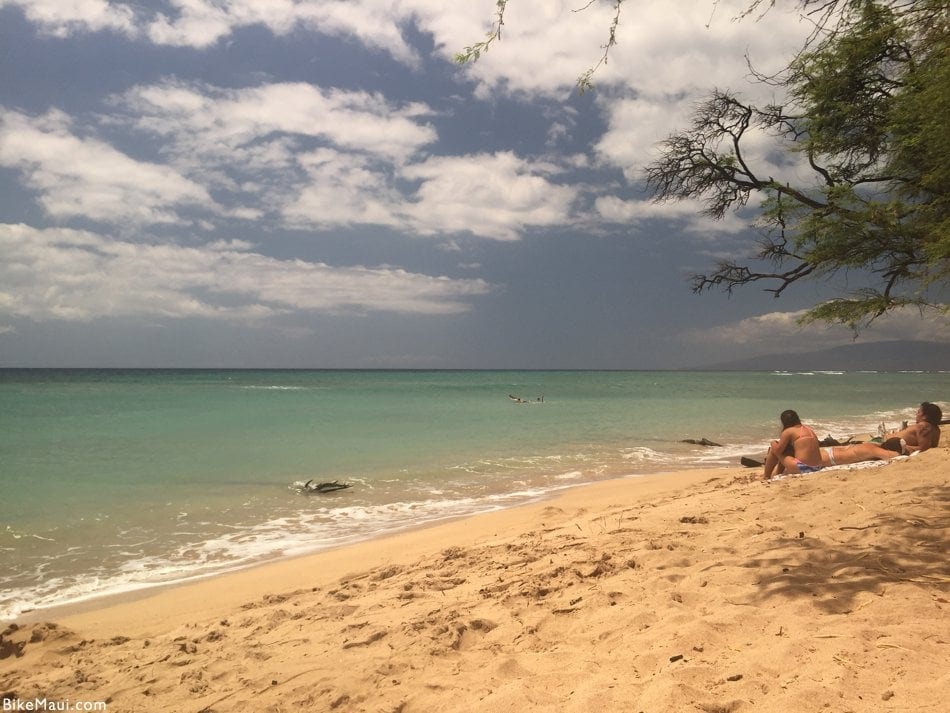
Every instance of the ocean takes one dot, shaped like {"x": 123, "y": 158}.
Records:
{"x": 116, "y": 480}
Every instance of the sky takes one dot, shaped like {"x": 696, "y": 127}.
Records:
{"x": 318, "y": 184}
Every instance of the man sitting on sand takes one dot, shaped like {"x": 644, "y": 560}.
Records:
{"x": 796, "y": 450}
{"x": 920, "y": 436}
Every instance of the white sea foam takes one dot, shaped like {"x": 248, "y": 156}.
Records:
{"x": 302, "y": 533}
{"x": 262, "y": 387}
{"x": 643, "y": 454}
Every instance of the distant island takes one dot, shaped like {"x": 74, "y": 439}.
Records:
{"x": 874, "y": 356}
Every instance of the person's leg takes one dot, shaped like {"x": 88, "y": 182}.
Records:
{"x": 872, "y": 451}
{"x": 846, "y": 455}
{"x": 790, "y": 465}
{"x": 771, "y": 462}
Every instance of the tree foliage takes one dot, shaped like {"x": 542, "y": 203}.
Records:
{"x": 867, "y": 105}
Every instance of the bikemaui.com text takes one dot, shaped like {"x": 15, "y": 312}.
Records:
{"x": 45, "y": 704}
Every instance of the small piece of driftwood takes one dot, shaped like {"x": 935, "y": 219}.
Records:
{"x": 311, "y": 487}
{"x": 701, "y": 442}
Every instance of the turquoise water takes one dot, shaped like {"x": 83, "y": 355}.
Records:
{"x": 113, "y": 480}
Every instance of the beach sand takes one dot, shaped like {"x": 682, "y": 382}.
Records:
{"x": 698, "y": 591}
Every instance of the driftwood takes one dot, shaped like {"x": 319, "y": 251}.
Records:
{"x": 311, "y": 487}
{"x": 831, "y": 441}
{"x": 701, "y": 442}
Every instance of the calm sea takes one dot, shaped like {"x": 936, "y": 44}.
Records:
{"x": 112, "y": 480}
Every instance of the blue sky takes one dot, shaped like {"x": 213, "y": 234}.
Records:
{"x": 277, "y": 183}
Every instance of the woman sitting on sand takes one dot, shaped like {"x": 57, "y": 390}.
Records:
{"x": 795, "y": 451}
{"x": 856, "y": 453}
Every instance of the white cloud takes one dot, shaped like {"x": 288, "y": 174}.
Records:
{"x": 62, "y": 274}
{"x": 492, "y": 195}
{"x": 369, "y": 169}
{"x": 343, "y": 190}
{"x": 62, "y": 18}
{"x": 307, "y": 156}
{"x": 663, "y": 51}
{"x": 635, "y": 126}
{"x": 193, "y": 24}
{"x": 86, "y": 177}
{"x": 213, "y": 120}
{"x": 253, "y": 143}
{"x": 320, "y": 158}
{"x": 685, "y": 215}
{"x": 780, "y": 331}
{"x": 496, "y": 196}
{"x": 378, "y": 24}
{"x": 546, "y": 43}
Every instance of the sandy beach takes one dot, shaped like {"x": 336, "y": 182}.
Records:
{"x": 703, "y": 590}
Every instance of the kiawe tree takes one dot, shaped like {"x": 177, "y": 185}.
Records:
{"x": 865, "y": 120}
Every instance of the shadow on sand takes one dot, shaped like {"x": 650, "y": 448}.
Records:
{"x": 863, "y": 557}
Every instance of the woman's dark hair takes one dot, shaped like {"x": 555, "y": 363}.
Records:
{"x": 790, "y": 418}
{"x": 932, "y": 413}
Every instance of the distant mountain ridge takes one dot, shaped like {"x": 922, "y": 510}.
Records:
{"x": 874, "y": 356}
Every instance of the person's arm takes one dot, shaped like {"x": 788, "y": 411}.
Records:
{"x": 925, "y": 437}
{"x": 785, "y": 442}
{"x": 903, "y": 433}
{"x": 773, "y": 459}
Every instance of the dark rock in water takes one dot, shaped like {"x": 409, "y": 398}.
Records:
{"x": 701, "y": 442}
{"x": 750, "y": 462}
{"x": 311, "y": 487}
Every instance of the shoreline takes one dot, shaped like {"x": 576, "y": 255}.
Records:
{"x": 105, "y": 599}
{"x": 110, "y": 599}
{"x": 701, "y": 589}
{"x": 416, "y": 535}
{"x": 140, "y": 590}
